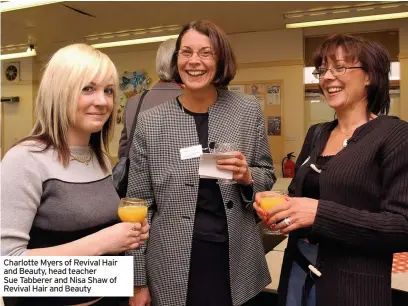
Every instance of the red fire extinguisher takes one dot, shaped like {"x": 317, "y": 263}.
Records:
{"x": 288, "y": 165}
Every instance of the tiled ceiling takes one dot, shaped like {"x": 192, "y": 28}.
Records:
{"x": 52, "y": 26}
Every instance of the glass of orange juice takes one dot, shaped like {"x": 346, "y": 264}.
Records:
{"x": 132, "y": 210}
{"x": 268, "y": 202}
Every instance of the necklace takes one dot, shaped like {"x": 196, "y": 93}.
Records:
{"x": 85, "y": 159}
{"x": 345, "y": 142}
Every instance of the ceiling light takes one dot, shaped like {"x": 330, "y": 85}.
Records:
{"x": 346, "y": 20}
{"x": 30, "y": 52}
{"x": 22, "y": 4}
{"x": 137, "y": 41}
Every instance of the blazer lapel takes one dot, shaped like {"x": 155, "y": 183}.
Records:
{"x": 186, "y": 170}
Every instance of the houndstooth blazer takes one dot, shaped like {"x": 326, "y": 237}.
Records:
{"x": 170, "y": 185}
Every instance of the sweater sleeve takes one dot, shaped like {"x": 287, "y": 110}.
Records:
{"x": 21, "y": 190}
{"x": 261, "y": 166}
{"x": 385, "y": 230}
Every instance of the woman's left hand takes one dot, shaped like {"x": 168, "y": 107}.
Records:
{"x": 239, "y": 167}
{"x": 300, "y": 212}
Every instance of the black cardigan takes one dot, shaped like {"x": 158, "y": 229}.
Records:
{"x": 362, "y": 216}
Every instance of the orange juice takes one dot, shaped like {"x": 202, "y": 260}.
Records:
{"x": 268, "y": 203}
{"x": 134, "y": 214}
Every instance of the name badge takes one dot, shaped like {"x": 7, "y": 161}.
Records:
{"x": 191, "y": 152}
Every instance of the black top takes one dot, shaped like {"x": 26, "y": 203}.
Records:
{"x": 311, "y": 183}
{"x": 362, "y": 214}
{"x": 210, "y": 219}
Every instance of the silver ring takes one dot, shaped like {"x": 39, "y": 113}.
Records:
{"x": 287, "y": 221}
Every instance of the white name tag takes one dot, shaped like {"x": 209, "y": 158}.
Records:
{"x": 191, "y": 152}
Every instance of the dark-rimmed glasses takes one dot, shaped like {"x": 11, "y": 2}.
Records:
{"x": 319, "y": 73}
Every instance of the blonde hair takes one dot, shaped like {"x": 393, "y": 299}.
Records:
{"x": 69, "y": 70}
{"x": 163, "y": 59}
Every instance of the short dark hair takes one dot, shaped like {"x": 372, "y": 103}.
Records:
{"x": 374, "y": 59}
{"x": 226, "y": 63}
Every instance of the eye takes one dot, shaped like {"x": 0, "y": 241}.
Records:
{"x": 338, "y": 68}
{"x": 109, "y": 91}
{"x": 206, "y": 53}
{"x": 88, "y": 89}
{"x": 186, "y": 53}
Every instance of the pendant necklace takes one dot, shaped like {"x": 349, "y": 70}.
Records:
{"x": 345, "y": 142}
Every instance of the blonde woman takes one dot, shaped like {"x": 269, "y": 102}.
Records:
{"x": 58, "y": 196}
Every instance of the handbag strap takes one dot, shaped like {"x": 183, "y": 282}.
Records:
{"x": 132, "y": 131}
{"x": 314, "y": 152}
{"x": 316, "y": 134}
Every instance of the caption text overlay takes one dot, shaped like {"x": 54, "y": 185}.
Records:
{"x": 66, "y": 276}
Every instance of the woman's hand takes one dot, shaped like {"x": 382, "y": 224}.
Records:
{"x": 259, "y": 211}
{"x": 294, "y": 213}
{"x": 141, "y": 297}
{"x": 120, "y": 237}
{"x": 144, "y": 231}
{"x": 239, "y": 167}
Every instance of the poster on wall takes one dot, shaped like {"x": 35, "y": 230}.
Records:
{"x": 257, "y": 90}
{"x": 131, "y": 83}
{"x": 274, "y": 126}
{"x": 273, "y": 95}
{"x": 237, "y": 88}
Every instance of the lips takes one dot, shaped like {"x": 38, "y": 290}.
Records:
{"x": 96, "y": 115}
{"x": 195, "y": 73}
{"x": 334, "y": 89}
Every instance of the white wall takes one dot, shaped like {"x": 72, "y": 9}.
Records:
{"x": 18, "y": 116}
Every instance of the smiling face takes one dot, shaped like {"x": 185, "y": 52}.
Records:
{"x": 95, "y": 105}
{"x": 196, "y": 72}
{"x": 345, "y": 90}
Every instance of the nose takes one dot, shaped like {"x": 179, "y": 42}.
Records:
{"x": 100, "y": 98}
{"x": 194, "y": 58}
{"x": 328, "y": 75}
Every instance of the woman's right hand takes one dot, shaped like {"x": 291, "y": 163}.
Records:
{"x": 263, "y": 215}
{"x": 141, "y": 297}
{"x": 121, "y": 237}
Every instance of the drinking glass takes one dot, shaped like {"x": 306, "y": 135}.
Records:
{"x": 132, "y": 210}
{"x": 225, "y": 148}
{"x": 268, "y": 202}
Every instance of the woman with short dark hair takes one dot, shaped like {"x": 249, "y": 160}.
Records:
{"x": 348, "y": 207}
{"x": 205, "y": 247}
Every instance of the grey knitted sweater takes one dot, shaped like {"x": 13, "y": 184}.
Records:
{"x": 46, "y": 204}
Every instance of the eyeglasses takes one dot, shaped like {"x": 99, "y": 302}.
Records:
{"x": 319, "y": 73}
{"x": 202, "y": 53}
